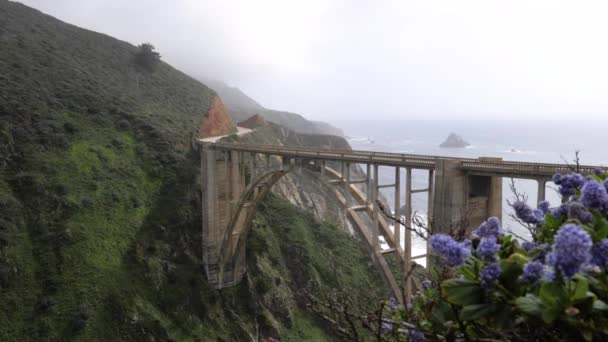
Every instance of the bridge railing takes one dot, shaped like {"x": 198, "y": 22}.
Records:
{"x": 525, "y": 167}
{"x": 344, "y": 154}
{"x": 400, "y": 159}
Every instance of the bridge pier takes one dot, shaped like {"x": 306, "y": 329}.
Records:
{"x": 462, "y": 199}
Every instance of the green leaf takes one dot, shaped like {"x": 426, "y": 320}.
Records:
{"x": 530, "y": 304}
{"x": 600, "y": 228}
{"x": 470, "y": 269}
{"x": 599, "y": 305}
{"x": 462, "y": 291}
{"x": 581, "y": 288}
{"x": 550, "y": 314}
{"x": 552, "y": 295}
{"x": 476, "y": 311}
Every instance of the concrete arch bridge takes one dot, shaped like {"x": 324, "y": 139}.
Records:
{"x": 235, "y": 179}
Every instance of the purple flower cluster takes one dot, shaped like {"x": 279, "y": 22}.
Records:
{"x": 488, "y": 247}
{"x": 594, "y": 195}
{"x": 599, "y": 253}
{"x": 416, "y": 335}
{"x": 455, "y": 253}
{"x": 527, "y": 214}
{"x": 387, "y": 327}
{"x": 578, "y": 211}
{"x": 544, "y": 206}
{"x": 489, "y": 275}
{"x": 568, "y": 183}
{"x": 491, "y": 227}
{"x": 533, "y": 272}
{"x": 560, "y": 211}
{"x": 571, "y": 249}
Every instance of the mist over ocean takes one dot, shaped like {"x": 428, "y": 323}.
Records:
{"x": 531, "y": 141}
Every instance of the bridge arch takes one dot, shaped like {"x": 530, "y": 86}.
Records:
{"x": 232, "y": 247}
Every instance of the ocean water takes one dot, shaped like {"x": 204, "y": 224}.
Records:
{"x": 532, "y": 141}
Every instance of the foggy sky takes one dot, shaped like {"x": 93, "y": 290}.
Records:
{"x": 340, "y": 59}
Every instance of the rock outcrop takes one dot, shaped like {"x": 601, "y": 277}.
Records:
{"x": 216, "y": 121}
{"x": 253, "y": 122}
{"x": 454, "y": 141}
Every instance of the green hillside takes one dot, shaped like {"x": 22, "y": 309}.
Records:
{"x": 242, "y": 107}
{"x": 100, "y": 205}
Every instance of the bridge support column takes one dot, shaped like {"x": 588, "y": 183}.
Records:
{"x": 347, "y": 195}
{"x": 368, "y": 179}
{"x": 397, "y": 226}
{"x": 323, "y": 168}
{"x": 407, "y": 250}
{"x": 429, "y": 208}
{"x": 541, "y": 189}
{"x": 449, "y": 200}
{"x": 220, "y": 181}
{"x": 252, "y": 170}
{"x": 375, "y": 213}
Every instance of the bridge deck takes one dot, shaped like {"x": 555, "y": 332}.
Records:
{"x": 474, "y": 166}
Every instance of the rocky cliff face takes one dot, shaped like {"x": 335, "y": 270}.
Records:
{"x": 216, "y": 121}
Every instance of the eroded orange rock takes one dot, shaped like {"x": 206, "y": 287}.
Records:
{"x": 253, "y": 122}
{"x": 216, "y": 121}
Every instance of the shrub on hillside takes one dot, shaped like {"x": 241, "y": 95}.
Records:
{"x": 146, "y": 57}
{"x": 554, "y": 287}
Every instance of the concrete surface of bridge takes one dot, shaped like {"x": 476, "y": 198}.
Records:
{"x": 235, "y": 179}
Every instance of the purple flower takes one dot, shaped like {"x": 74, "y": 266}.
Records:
{"x": 543, "y": 206}
{"x": 392, "y": 303}
{"x": 570, "y": 249}
{"x": 489, "y": 275}
{"x": 560, "y": 211}
{"x": 488, "y": 247}
{"x": 579, "y": 212}
{"x": 568, "y": 183}
{"x": 455, "y": 253}
{"x": 387, "y": 327}
{"x": 416, "y": 335}
{"x": 594, "y": 195}
{"x": 533, "y": 272}
{"x": 491, "y": 227}
{"x": 598, "y": 171}
{"x": 599, "y": 253}
{"x": 527, "y": 214}
{"x": 527, "y": 245}
{"x": 549, "y": 275}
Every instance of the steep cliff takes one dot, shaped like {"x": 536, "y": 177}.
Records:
{"x": 100, "y": 204}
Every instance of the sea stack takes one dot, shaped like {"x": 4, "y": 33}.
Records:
{"x": 454, "y": 141}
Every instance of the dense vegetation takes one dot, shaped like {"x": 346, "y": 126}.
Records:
{"x": 551, "y": 288}
{"x": 99, "y": 204}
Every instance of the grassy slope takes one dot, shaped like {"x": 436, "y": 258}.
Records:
{"x": 99, "y": 203}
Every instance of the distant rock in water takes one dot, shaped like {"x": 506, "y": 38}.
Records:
{"x": 454, "y": 141}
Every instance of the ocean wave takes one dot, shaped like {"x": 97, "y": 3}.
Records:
{"x": 360, "y": 140}
{"x": 517, "y": 151}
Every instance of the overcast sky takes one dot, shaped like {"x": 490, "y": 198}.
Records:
{"x": 339, "y": 59}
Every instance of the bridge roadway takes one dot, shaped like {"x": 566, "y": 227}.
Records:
{"x": 481, "y": 166}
